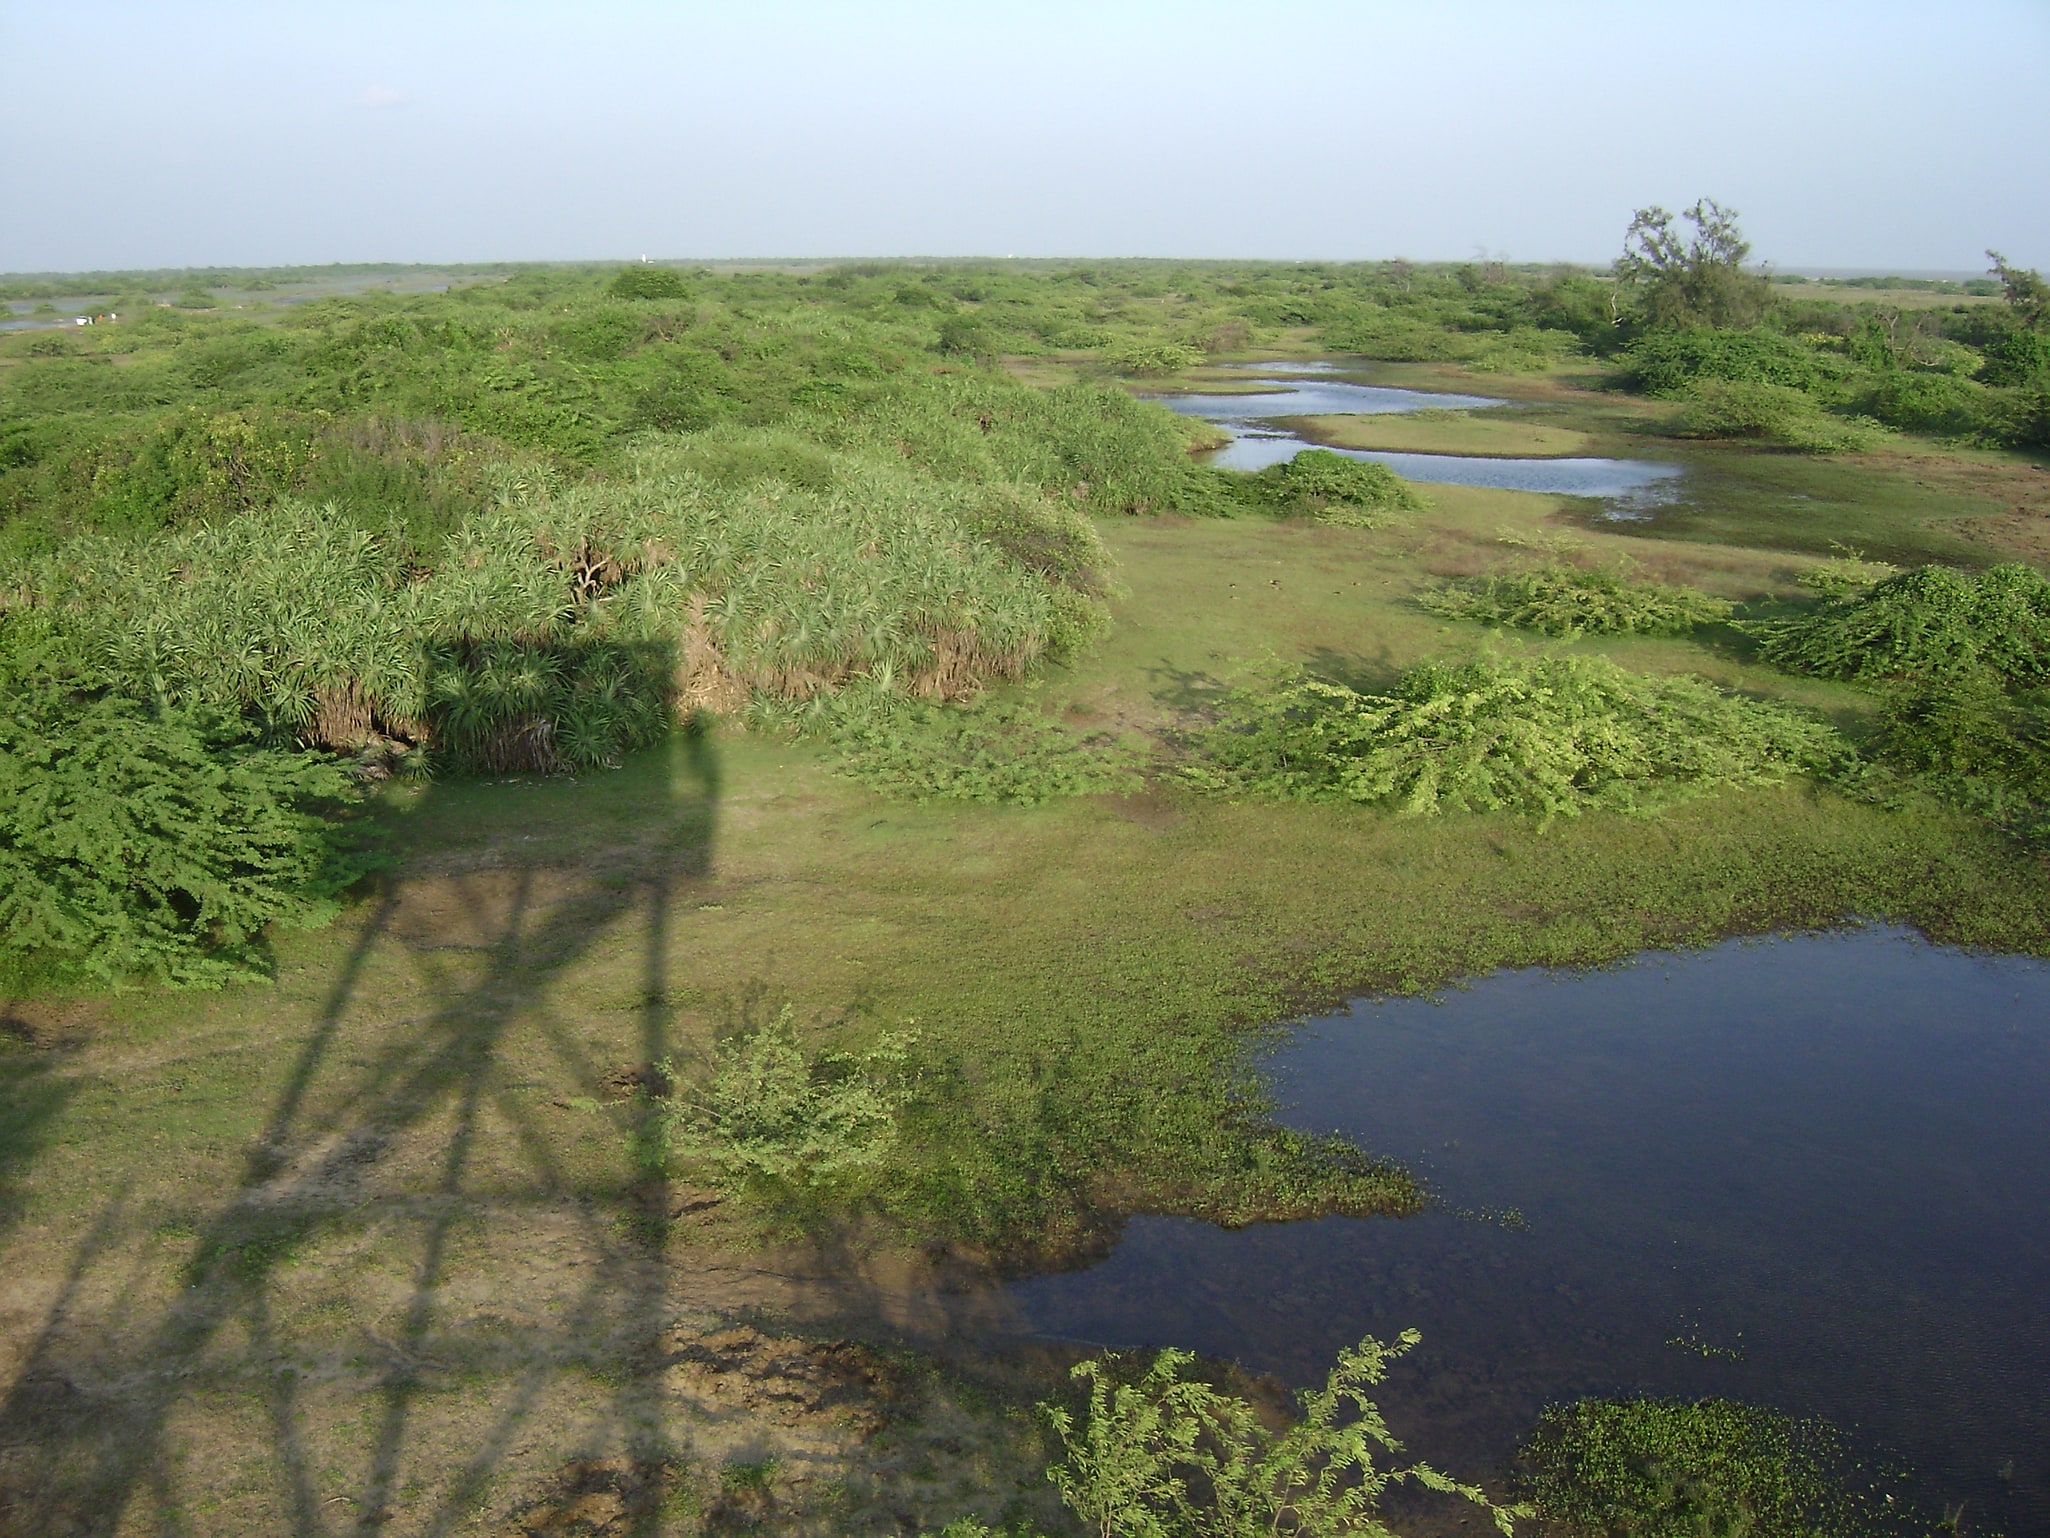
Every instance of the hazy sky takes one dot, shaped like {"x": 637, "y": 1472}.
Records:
{"x": 163, "y": 134}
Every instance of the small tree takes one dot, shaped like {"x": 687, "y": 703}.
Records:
{"x": 2028, "y": 296}
{"x": 1697, "y": 280}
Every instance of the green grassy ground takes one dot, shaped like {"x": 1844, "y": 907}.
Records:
{"x": 1447, "y": 432}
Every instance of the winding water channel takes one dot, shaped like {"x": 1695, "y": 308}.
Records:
{"x": 1628, "y": 486}
{"x": 1809, "y": 1173}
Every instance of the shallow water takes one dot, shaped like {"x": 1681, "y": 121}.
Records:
{"x": 1630, "y": 487}
{"x": 1823, "y": 1160}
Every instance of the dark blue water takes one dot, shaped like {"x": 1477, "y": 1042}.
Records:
{"x": 1824, "y": 1159}
{"x": 1631, "y": 487}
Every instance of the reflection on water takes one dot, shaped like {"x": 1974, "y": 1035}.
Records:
{"x": 1630, "y": 487}
{"x": 1809, "y": 1173}
{"x": 1634, "y": 485}
{"x": 1320, "y": 397}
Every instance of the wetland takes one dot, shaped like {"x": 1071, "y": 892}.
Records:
{"x": 793, "y": 855}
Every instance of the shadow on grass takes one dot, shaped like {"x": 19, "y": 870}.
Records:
{"x": 93, "y": 1446}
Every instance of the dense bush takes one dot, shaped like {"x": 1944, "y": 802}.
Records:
{"x": 1336, "y": 488}
{"x": 647, "y": 282}
{"x": 1974, "y": 743}
{"x": 1667, "y": 362}
{"x": 1932, "y": 621}
{"x": 1965, "y": 663}
{"x": 1941, "y": 405}
{"x": 1562, "y": 600}
{"x": 138, "y": 842}
{"x": 555, "y": 631}
{"x": 1767, "y": 413}
{"x": 1542, "y": 736}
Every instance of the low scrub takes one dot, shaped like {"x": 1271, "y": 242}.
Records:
{"x": 1561, "y": 600}
{"x": 1166, "y": 1455}
{"x": 1541, "y": 736}
{"x": 1930, "y": 622}
{"x": 137, "y": 842}
{"x": 769, "y": 1110}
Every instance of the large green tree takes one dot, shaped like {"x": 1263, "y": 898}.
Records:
{"x": 1678, "y": 278}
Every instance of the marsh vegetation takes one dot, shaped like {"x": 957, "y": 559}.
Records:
{"x": 812, "y": 772}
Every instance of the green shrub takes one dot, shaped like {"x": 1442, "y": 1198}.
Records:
{"x": 1931, "y": 621}
{"x": 1667, "y": 362}
{"x": 1657, "y": 1468}
{"x": 2019, "y": 358}
{"x": 1972, "y": 742}
{"x": 1767, "y": 413}
{"x": 1542, "y": 736}
{"x": 769, "y": 1110}
{"x": 1567, "y": 601}
{"x": 155, "y": 843}
{"x": 981, "y": 752}
{"x": 1941, "y": 405}
{"x": 648, "y": 282}
{"x": 1167, "y": 1456}
{"x": 1154, "y": 358}
{"x": 1337, "y": 489}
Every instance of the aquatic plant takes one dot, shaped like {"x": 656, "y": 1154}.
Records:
{"x": 1541, "y": 736}
{"x": 1170, "y": 1456}
{"x": 1662, "y": 1468}
{"x": 1561, "y": 600}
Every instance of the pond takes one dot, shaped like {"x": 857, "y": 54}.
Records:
{"x": 1809, "y": 1173}
{"x": 1630, "y": 487}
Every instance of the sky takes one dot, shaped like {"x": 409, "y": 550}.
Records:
{"x": 1869, "y": 135}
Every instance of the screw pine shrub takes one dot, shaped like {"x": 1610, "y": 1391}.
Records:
{"x": 556, "y": 630}
{"x": 1931, "y": 621}
{"x": 1167, "y": 1456}
{"x": 136, "y": 842}
{"x": 1561, "y": 600}
{"x": 1541, "y": 736}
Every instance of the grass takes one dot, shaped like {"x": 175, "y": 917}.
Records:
{"x": 1486, "y": 433}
